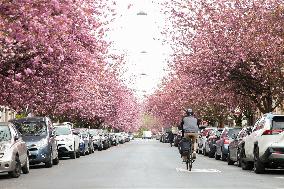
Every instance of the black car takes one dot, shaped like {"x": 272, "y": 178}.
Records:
{"x": 236, "y": 145}
{"x": 210, "y": 144}
{"x": 224, "y": 141}
{"x": 39, "y": 135}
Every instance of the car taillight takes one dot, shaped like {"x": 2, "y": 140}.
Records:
{"x": 272, "y": 132}
{"x": 226, "y": 141}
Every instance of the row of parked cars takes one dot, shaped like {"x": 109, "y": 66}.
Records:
{"x": 35, "y": 140}
{"x": 256, "y": 147}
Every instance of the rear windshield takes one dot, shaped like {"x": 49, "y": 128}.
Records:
{"x": 93, "y": 132}
{"x": 278, "y": 122}
{"x": 5, "y": 134}
{"x": 233, "y": 132}
{"x": 37, "y": 128}
{"x": 62, "y": 130}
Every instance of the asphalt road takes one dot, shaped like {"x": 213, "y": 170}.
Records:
{"x": 141, "y": 164}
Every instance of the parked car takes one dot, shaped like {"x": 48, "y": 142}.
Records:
{"x": 67, "y": 142}
{"x": 38, "y": 133}
{"x": 236, "y": 145}
{"x": 165, "y": 138}
{"x": 113, "y": 139}
{"x": 131, "y": 136}
{"x": 210, "y": 143}
{"x": 264, "y": 147}
{"x": 14, "y": 154}
{"x": 97, "y": 142}
{"x": 204, "y": 134}
{"x": 120, "y": 137}
{"x": 84, "y": 140}
{"x": 222, "y": 144}
{"x": 106, "y": 140}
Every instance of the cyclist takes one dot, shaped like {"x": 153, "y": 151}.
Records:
{"x": 190, "y": 129}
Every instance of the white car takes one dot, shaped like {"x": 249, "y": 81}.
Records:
{"x": 68, "y": 143}
{"x": 264, "y": 147}
{"x": 97, "y": 142}
{"x": 201, "y": 140}
{"x": 120, "y": 137}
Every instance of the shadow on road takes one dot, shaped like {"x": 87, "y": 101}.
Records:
{"x": 4, "y": 176}
{"x": 275, "y": 171}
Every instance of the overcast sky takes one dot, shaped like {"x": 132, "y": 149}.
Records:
{"x": 138, "y": 35}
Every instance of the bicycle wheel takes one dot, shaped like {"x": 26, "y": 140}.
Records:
{"x": 189, "y": 158}
{"x": 190, "y": 162}
{"x": 187, "y": 164}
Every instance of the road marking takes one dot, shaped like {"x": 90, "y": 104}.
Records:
{"x": 279, "y": 177}
{"x": 198, "y": 170}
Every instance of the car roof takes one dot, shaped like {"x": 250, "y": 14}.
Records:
{"x": 26, "y": 119}
{"x": 63, "y": 125}
{"x": 4, "y": 123}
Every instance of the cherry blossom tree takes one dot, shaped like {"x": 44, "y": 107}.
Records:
{"x": 55, "y": 61}
{"x": 228, "y": 56}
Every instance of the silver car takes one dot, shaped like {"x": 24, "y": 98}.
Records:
{"x": 14, "y": 155}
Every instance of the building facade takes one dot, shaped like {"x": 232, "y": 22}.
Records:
{"x": 6, "y": 114}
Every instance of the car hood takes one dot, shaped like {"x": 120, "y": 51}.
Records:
{"x": 96, "y": 137}
{"x": 4, "y": 145}
{"x": 64, "y": 137}
{"x": 32, "y": 139}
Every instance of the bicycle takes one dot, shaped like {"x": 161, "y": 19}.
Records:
{"x": 186, "y": 150}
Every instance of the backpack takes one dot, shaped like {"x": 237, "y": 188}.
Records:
{"x": 184, "y": 146}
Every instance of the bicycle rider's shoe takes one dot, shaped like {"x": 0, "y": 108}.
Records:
{"x": 194, "y": 155}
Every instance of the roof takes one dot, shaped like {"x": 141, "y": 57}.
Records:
{"x": 4, "y": 123}
{"x": 27, "y": 119}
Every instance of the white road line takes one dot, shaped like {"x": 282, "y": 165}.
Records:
{"x": 279, "y": 177}
{"x": 198, "y": 170}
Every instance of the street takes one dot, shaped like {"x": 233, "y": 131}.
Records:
{"x": 141, "y": 164}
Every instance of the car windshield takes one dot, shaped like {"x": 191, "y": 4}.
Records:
{"x": 93, "y": 132}
{"x": 278, "y": 122}
{"x": 62, "y": 130}
{"x": 5, "y": 134}
{"x": 37, "y": 128}
{"x": 233, "y": 132}
{"x": 84, "y": 134}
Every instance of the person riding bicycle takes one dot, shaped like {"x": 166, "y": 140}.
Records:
{"x": 190, "y": 129}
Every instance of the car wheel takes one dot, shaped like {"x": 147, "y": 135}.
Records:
{"x": 244, "y": 164}
{"x": 239, "y": 158}
{"x": 83, "y": 153}
{"x": 73, "y": 155}
{"x": 223, "y": 156}
{"x": 26, "y": 167}
{"x": 78, "y": 154}
{"x": 49, "y": 163}
{"x": 210, "y": 154}
{"x": 230, "y": 162}
{"x": 17, "y": 171}
{"x": 204, "y": 152}
{"x": 217, "y": 157}
{"x": 259, "y": 167}
{"x": 56, "y": 161}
